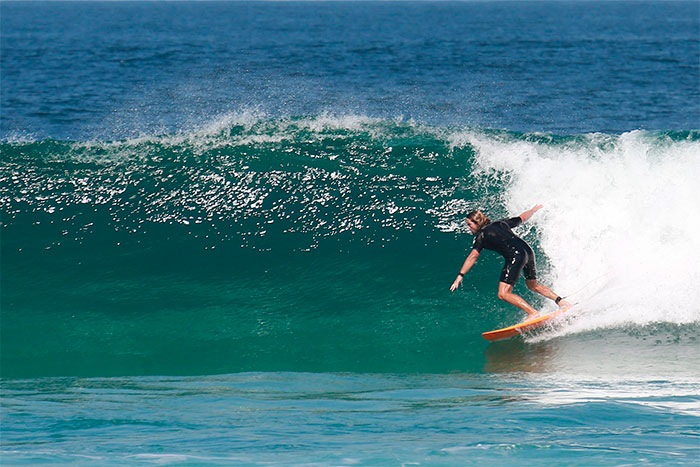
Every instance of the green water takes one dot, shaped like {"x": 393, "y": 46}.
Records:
{"x": 284, "y": 245}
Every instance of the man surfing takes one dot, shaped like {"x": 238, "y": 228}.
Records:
{"x": 497, "y": 236}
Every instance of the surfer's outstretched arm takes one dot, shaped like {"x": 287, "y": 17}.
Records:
{"x": 468, "y": 263}
{"x": 528, "y": 214}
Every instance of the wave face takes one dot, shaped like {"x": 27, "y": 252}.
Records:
{"x": 328, "y": 243}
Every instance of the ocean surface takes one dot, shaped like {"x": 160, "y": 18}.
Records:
{"x": 228, "y": 232}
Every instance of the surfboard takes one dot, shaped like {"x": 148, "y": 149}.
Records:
{"x": 525, "y": 326}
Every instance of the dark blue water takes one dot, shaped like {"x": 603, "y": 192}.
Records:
{"x": 228, "y": 232}
{"x": 121, "y": 68}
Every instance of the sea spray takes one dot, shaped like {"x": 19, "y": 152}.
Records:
{"x": 620, "y": 210}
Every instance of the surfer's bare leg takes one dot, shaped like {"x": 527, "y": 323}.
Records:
{"x": 545, "y": 291}
{"x": 505, "y": 293}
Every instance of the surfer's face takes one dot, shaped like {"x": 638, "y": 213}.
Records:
{"x": 473, "y": 227}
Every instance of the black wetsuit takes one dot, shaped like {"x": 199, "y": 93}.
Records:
{"x": 498, "y": 237}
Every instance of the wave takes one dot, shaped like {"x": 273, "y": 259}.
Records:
{"x": 617, "y": 206}
{"x": 278, "y": 228}
{"x": 317, "y": 177}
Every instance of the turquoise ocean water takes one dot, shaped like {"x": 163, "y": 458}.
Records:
{"x": 230, "y": 239}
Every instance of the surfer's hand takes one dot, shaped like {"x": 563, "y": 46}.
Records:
{"x": 528, "y": 214}
{"x": 456, "y": 283}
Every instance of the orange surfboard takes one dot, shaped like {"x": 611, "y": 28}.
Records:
{"x": 523, "y": 327}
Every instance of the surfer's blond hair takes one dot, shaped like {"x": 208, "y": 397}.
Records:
{"x": 479, "y": 218}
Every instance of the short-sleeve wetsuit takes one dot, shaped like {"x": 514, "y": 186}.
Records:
{"x": 498, "y": 237}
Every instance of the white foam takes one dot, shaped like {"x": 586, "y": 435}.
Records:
{"x": 620, "y": 211}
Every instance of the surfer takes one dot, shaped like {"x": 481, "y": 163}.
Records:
{"x": 497, "y": 236}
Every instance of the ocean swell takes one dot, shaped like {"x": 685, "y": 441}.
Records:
{"x": 323, "y": 243}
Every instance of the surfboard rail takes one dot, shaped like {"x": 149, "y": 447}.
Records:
{"x": 521, "y": 328}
